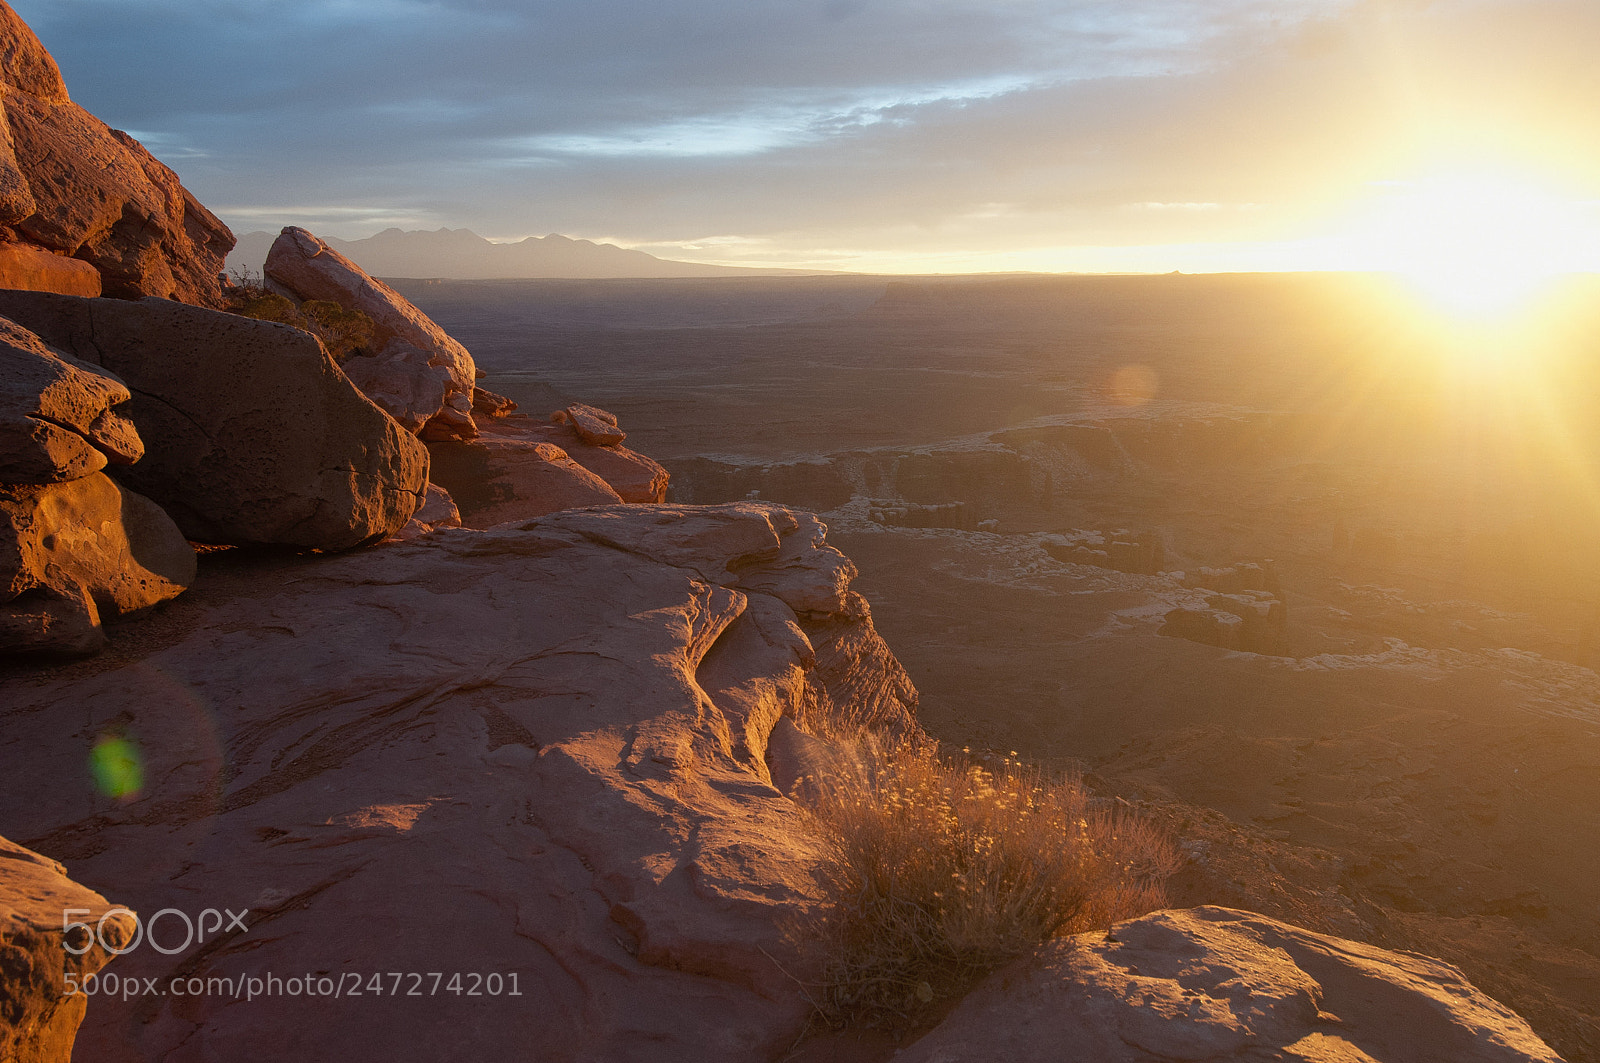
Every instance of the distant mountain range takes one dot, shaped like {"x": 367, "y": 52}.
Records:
{"x": 460, "y": 254}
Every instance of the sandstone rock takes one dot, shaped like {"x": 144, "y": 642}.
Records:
{"x": 35, "y": 269}
{"x": 815, "y": 485}
{"x": 1210, "y": 627}
{"x": 594, "y": 425}
{"x": 491, "y": 404}
{"x": 120, "y": 547}
{"x": 510, "y": 460}
{"x": 1217, "y": 984}
{"x": 58, "y": 620}
{"x": 253, "y": 434}
{"x": 438, "y": 510}
{"x": 633, "y": 476}
{"x": 56, "y": 421}
{"x": 1232, "y": 579}
{"x": 72, "y": 186}
{"x": 310, "y": 269}
{"x": 39, "y": 1016}
{"x": 528, "y": 480}
{"x": 939, "y": 515}
{"x": 537, "y": 749}
{"x": 402, "y": 381}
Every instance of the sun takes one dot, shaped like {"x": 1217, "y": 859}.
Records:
{"x": 1481, "y": 245}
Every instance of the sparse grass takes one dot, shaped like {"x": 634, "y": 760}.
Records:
{"x": 343, "y": 332}
{"x": 948, "y": 867}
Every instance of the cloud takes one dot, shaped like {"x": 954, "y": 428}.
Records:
{"x": 930, "y": 126}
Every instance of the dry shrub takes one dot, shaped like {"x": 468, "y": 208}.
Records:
{"x": 344, "y": 333}
{"x": 947, "y": 867}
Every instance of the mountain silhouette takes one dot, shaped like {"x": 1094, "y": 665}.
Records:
{"x": 461, "y": 254}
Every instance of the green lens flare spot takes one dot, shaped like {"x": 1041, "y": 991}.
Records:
{"x": 118, "y": 770}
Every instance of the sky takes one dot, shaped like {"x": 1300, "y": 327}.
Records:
{"x": 878, "y": 135}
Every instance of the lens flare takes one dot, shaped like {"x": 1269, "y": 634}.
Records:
{"x": 117, "y": 767}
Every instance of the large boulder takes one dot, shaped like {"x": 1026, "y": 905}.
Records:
{"x": 496, "y": 480}
{"x": 506, "y": 472}
{"x": 74, "y": 554}
{"x": 534, "y": 755}
{"x": 39, "y": 1011}
{"x": 56, "y": 421}
{"x": 414, "y": 358}
{"x": 71, "y": 186}
{"x": 1217, "y": 984}
{"x": 252, "y": 433}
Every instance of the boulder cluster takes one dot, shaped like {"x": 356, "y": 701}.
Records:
{"x": 136, "y": 426}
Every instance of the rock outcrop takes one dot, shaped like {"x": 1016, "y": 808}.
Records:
{"x": 75, "y": 547}
{"x": 1251, "y": 621}
{"x": 518, "y": 468}
{"x": 39, "y": 1012}
{"x": 1121, "y": 550}
{"x": 75, "y": 554}
{"x": 74, "y": 189}
{"x": 252, "y": 434}
{"x": 536, "y": 754}
{"x": 417, "y": 363}
{"x": 1217, "y": 984}
{"x": 56, "y": 421}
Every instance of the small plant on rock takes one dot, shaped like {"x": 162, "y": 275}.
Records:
{"x": 344, "y": 332}
{"x": 947, "y": 867}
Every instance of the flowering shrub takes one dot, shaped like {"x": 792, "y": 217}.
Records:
{"x": 947, "y": 867}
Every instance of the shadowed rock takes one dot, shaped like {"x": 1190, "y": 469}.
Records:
{"x": 253, "y": 435}
{"x": 78, "y": 553}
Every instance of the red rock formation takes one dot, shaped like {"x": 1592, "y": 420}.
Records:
{"x": 56, "y": 421}
{"x": 420, "y": 375}
{"x": 633, "y": 476}
{"x": 1217, "y": 984}
{"x": 252, "y": 434}
{"x": 72, "y": 187}
{"x": 539, "y": 750}
{"x": 74, "y": 554}
{"x": 75, "y": 547}
{"x": 39, "y": 1015}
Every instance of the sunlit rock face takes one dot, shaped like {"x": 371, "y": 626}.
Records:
{"x": 76, "y": 547}
{"x": 39, "y": 1014}
{"x": 75, "y": 554}
{"x": 73, "y": 189}
{"x": 419, "y": 374}
{"x": 56, "y": 416}
{"x": 252, "y": 434}
{"x": 518, "y": 468}
{"x": 1217, "y": 984}
{"x": 539, "y": 750}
